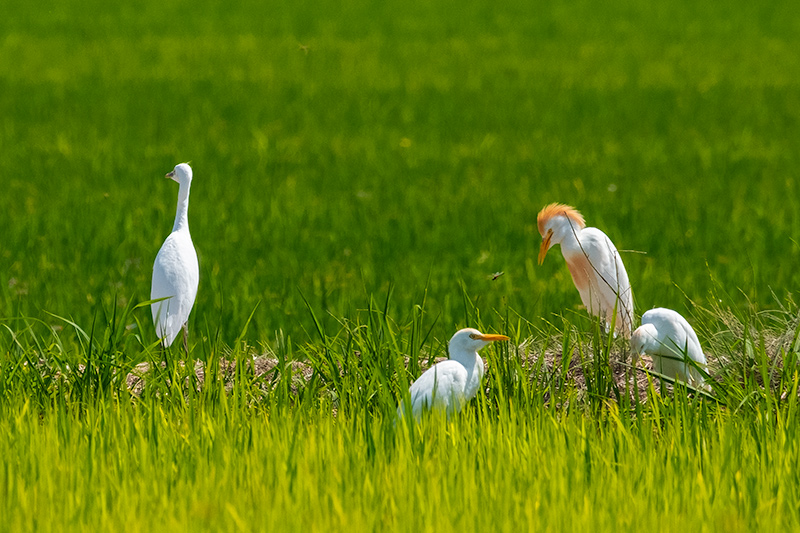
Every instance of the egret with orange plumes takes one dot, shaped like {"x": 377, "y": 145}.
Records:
{"x": 448, "y": 385}
{"x": 593, "y": 261}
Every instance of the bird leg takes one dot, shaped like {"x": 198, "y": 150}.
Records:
{"x": 186, "y": 337}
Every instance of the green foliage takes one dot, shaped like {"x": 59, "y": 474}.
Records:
{"x": 532, "y": 451}
{"x": 361, "y": 169}
{"x": 402, "y": 145}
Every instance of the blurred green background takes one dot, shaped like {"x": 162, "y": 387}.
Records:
{"x": 342, "y": 148}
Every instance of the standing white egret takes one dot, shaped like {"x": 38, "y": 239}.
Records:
{"x": 448, "y": 385}
{"x": 593, "y": 261}
{"x": 175, "y": 271}
{"x": 666, "y": 336}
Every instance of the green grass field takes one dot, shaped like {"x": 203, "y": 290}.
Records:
{"x": 361, "y": 170}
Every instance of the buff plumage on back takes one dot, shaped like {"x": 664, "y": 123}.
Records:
{"x": 556, "y": 209}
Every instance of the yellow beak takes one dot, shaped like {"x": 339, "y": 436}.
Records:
{"x": 545, "y": 246}
{"x": 491, "y": 338}
{"x": 170, "y": 174}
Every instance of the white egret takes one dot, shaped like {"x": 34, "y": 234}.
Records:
{"x": 666, "y": 336}
{"x": 175, "y": 271}
{"x": 448, "y": 385}
{"x": 593, "y": 261}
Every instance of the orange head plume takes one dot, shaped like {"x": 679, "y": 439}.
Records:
{"x": 547, "y": 214}
{"x": 554, "y": 210}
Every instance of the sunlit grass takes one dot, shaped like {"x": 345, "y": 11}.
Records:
{"x": 121, "y": 467}
{"x": 532, "y": 451}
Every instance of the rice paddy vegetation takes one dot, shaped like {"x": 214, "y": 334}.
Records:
{"x": 367, "y": 176}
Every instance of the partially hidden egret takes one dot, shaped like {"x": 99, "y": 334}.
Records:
{"x": 593, "y": 261}
{"x": 448, "y": 385}
{"x": 175, "y": 271}
{"x": 666, "y": 336}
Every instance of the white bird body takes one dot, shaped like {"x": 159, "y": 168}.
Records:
{"x": 448, "y": 385}
{"x": 176, "y": 272}
{"x": 594, "y": 263}
{"x": 666, "y": 336}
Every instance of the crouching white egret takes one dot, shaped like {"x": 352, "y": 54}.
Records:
{"x": 448, "y": 385}
{"x": 175, "y": 271}
{"x": 593, "y": 261}
{"x": 666, "y": 336}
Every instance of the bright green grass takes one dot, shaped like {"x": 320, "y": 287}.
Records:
{"x": 125, "y": 469}
{"x": 79, "y": 453}
{"x": 405, "y": 152}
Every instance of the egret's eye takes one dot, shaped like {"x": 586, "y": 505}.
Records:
{"x": 474, "y": 336}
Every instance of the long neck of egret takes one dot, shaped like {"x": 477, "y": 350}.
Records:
{"x": 475, "y": 369}
{"x": 469, "y": 358}
{"x": 182, "y": 213}
{"x": 566, "y": 233}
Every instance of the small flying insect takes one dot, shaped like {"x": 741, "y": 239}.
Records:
{"x": 496, "y": 275}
